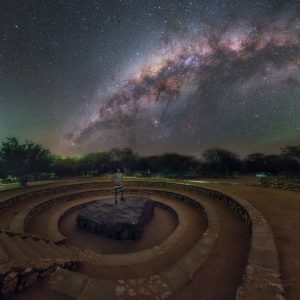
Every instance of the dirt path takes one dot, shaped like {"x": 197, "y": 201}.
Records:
{"x": 222, "y": 273}
{"x": 282, "y": 211}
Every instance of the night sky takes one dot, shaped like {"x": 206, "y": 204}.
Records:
{"x": 156, "y": 76}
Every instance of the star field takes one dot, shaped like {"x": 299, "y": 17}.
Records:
{"x": 155, "y": 76}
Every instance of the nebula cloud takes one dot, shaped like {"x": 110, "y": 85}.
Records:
{"x": 192, "y": 72}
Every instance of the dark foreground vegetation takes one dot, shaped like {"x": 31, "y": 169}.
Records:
{"x": 31, "y": 161}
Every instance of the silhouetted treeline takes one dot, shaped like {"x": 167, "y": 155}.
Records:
{"x": 23, "y": 161}
{"x": 32, "y": 161}
{"x": 213, "y": 163}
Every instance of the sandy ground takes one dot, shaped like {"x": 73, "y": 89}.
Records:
{"x": 282, "y": 211}
{"x": 222, "y": 273}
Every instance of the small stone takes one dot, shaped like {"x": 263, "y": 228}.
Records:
{"x": 249, "y": 270}
{"x": 275, "y": 274}
{"x": 27, "y": 270}
{"x": 165, "y": 295}
{"x": 277, "y": 286}
{"x": 11, "y": 275}
{"x": 153, "y": 288}
{"x": 240, "y": 292}
{"x": 131, "y": 281}
{"x": 131, "y": 292}
{"x": 144, "y": 291}
{"x": 120, "y": 291}
{"x": 31, "y": 279}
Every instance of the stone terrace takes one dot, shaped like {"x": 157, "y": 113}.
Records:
{"x": 261, "y": 276}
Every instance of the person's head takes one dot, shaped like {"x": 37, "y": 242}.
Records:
{"x": 118, "y": 170}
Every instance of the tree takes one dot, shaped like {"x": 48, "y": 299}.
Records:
{"x": 292, "y": 152}
{"x": 272, "y": 164}
{"x": 23, "y": 160}
{"x": 220, "y": 162}
{"x": 2, "y": 171}
{"x": 290, "y": 160}
{"x": 255, "y": 162}
{"x": 96, "y": 163}
{"x": 149, "y": 163}
{"x": 64, "y": 167}
{"x": 289, "y": 167}
{"x": 123, "y": 158}
{"x": 286, "y": 163}
{"x": 170, "y": 165}
{"x": 176, "y": 165}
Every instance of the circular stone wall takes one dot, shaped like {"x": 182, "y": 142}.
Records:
{"x": 158, "y": 272}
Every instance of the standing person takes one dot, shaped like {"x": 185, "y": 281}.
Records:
{"x": 117, "y": 180}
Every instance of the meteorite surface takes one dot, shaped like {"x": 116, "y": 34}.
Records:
{"x": 124, "y": 221}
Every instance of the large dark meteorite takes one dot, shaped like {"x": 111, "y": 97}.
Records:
{"x": 124, "y": 221}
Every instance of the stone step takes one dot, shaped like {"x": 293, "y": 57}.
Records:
{"x": 3, "y": 255}
{"x": 65, "y": 251}
{"x": 25, "y": 247}
{"x": 97, "y": 289}
{"x": 79, "y": 286}
{"x": 55, "y": 253}
{"x": 69, "y": 249}
{"x": 57, "y": 249}
{"x": 69, "y": 283}
{"x": 41, "y": 248}
{"x": 13, "y": 251}
{"x": 73, "y": 248}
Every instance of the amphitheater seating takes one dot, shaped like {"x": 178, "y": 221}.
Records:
{"x": 20, "y": 249}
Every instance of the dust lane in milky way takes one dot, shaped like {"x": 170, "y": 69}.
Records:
{"x": 156, "y": 76}
{"x": 191, "y": 72}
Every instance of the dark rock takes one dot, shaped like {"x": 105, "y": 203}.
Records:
{"x": 124, "y": 221}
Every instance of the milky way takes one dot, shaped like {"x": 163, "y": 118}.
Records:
{"x": 189, "y": 73}
{"x": 155, "y": 76}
